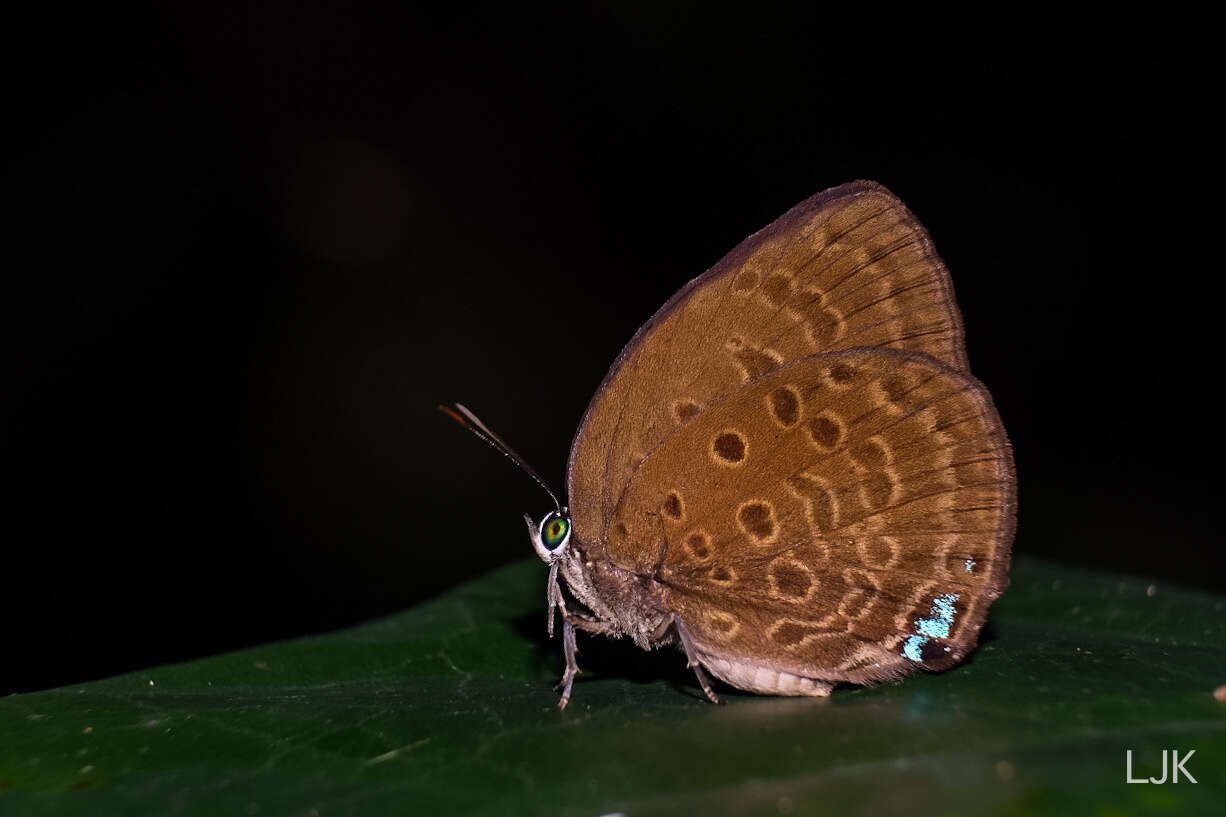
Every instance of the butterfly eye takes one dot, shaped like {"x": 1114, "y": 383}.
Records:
{"x": 554, "y": 530}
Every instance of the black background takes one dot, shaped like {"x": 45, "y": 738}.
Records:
{"x": 248, "y": 252}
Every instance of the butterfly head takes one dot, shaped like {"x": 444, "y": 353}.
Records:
{"x": 551, "y": 536}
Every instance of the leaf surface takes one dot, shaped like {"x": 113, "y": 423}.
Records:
{"x": 448, "y": 708}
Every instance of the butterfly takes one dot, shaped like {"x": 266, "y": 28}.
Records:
{"x": 789, "y": 471}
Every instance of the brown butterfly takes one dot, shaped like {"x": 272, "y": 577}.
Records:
{"x": 789, "y": 471}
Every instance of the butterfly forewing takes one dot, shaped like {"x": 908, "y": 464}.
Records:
{"x": 846, "y": 516}
{"x": 850, "y": 267}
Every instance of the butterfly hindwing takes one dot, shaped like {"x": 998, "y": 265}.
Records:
{"x": 845, "y": 516}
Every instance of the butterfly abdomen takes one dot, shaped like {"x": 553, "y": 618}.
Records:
{"x": 765, "y": 680}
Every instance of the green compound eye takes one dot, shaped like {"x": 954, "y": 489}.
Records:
{"x": 555, "y": 531}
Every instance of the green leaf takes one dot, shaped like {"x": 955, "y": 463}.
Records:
{"x": 448, "y": 709}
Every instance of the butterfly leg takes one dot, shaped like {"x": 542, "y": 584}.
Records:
{"x": 553, "y": 598}
{"x": 555, "y": 602}
{"x": 571, "y": 621}
{"x": 691, "y": 657}
{"x": 572, "y": 667}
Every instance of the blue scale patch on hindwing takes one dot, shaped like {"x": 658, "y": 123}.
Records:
{"x": 938, "y": 625}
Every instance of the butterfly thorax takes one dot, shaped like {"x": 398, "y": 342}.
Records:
{"x": 627, "y": 603}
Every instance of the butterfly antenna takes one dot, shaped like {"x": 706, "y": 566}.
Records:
{"x": 470, "y": 421}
